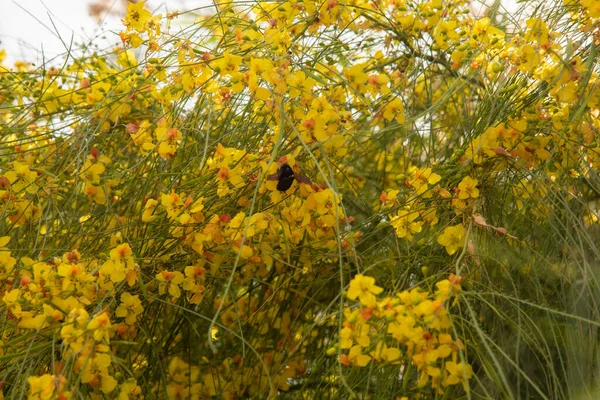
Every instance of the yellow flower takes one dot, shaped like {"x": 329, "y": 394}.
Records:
{"x": 72, "y": 333}
{"x": 356, "y": 75}
{"x": 230, "y": 175}
{"x": 423, "y": 177}
{"x": 21, "y": 178}
{"x": 355, "y": 357}
{"x": 7, "y": 262}
{"x": 458, "y": 373}
{"x": 168, "y": 140}
{"x": 120, "y": 264}
{"x": 101, "y": 327}
{"x": 96, "y": 194}
{"x": 448, "y": 287}
{"x": 130, "y": 308}
{"x": 96, "y": 373}
{"x": 129, "y": 389}
{"x": 468, "y": 188}
{"x": 592, "y": 6}
{"x": 29, "y": 321}
{"x": 537, "y": 31}
{"x": 453, "y": 238}
{"x": 137, "y": 17}
{"x": 115, "y": 270}
{"x": 394, "y": 109}
{"x": 404, "y": 224}
{"x": 228, "y": 64}
{"x": 169, "y": 281}
{"x": 386, "y": 354}
{"x": 365, "y": 289}
{"x": 47, "y": 387}
{"x": 324, "y": 202}
{"x": 149, "y": 209}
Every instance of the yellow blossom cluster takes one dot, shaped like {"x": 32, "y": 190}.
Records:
{"x": 179, "y": 215}
{"x": 417, "y": 330}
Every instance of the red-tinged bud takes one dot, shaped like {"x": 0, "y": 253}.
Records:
{"x": 455, "y": 279}
{"x": 172, "y": 133}
{"x": 309, "y": 124}
{"x": 344, "y": 360}
{"x": 383, "y": 197}
{"x": 366, "y": 313}
{"x": 72, "y": 256}
{"x": 223, "y": 173}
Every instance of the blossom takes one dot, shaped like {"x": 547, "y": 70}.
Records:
{"x": 228, "y": 63}
{"x": 453, "y": 238}
{"x": 394, "y": 110}
{"x": 324, "y": 202}
{"x": 422, "y": 178}
{"x": 169, "y": 281}
{"x": 21, "y": 178}
{"x": 448, "y": 287}
{"x": 95, "y": 372}
{"x": 120, "y": 264}
{"x": 149, "y": 209}
{"x": 194, "y": 283}
{"x": 130, "y": 308}
{"x": 386, "y": 354}
{"x": 404, "y": 224}
{"x": 47, "y": 387}
{"x": 137, "y": 17}
{"x": 73, "y": 332}
{"x": 468, "y": 188}
{"x": 355, "y": 357}
{"x": 101, "y": 327}
{"x": 7, "y": 262}
{"x": 363, "y": 288}
{"x": 458, "y": 373}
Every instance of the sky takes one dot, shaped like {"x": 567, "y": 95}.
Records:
{"x": 37, "y": 30}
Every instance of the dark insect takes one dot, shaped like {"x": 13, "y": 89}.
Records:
{"x": 285, "y": 176}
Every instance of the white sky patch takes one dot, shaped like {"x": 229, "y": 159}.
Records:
{"x": 33, "y": 30}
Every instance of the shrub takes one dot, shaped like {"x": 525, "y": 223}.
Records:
{"x": 380, "y": 199}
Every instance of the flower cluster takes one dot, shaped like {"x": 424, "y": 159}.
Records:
{"x": 418, "y": 331}
{"x": 151, "y": 246}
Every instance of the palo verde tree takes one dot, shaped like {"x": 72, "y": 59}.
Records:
{"x": 306, "y": 199}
